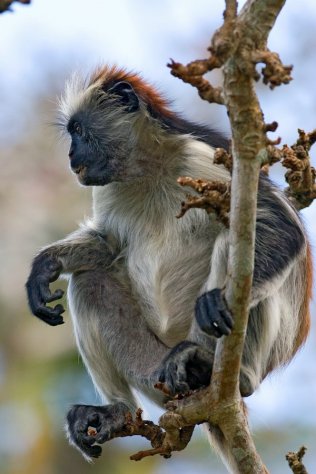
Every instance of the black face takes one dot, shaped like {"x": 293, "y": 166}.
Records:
{"x": 97, "y": 160}
{"x": 83, "y": 159}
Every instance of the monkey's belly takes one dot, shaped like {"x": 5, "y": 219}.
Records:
{"x": 168, "y": 293}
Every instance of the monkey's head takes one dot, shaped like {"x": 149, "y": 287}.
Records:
{"x": 111, "y": 120}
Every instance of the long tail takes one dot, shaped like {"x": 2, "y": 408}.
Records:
{"x": 219, "y": 444}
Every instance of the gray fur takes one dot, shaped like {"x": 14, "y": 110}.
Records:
{"x": 136, "y": 271}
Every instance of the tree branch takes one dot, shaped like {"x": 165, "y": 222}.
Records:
{"x": 295, "y": 461}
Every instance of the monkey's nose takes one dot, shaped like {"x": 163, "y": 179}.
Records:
{"x": 71, "y": 152}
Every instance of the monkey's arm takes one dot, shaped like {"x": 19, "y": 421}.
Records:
{"x": 280, "y": 240}
{"x": 82, "y": 250}
{"x": 279, "y": 251}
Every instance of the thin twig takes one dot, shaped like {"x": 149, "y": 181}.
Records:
{"x": 295, "y": 461}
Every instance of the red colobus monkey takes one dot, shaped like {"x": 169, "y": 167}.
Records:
{"x": 145, "y": 288}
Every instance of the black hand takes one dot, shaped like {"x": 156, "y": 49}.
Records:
{"x": 212, "y": 313}
{"x": 45, "y": 270}
{"x": 106, "y": 420}
{"x": 187, "y": 367}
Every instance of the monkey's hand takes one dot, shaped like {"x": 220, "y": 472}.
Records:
{"x": 87, "y": 425}
{"x": 187, "y": 367}
{"x": 212, "y": 313}
{"x": 45, "y": 270}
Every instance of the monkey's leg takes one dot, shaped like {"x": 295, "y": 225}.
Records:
{"x": 213, "y": 320}
{"x": 118, "y": 350}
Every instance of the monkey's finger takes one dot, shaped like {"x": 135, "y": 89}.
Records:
{"x": 218, "y": 316}
{"x": 103, "y": 436}
{"x": 176, "y": 378}
{"x": 87, "y": 446}
{"x": 219, "y": 324}
{"x": 55, "y": 296}
{"x": 85, "y": 440}
{"x": 203, "y": 317}
{"x": 94, "y": 451}
{"x": 51, "y": 316}
{"x": 216, "y": 296}
{"x": 170, "y": 371}
{"x": 89, "y": 450}
{"x": 161, "y": 375}
{"x": 44, "y": 292}
{"x": 216, "y": 299}
{"x": 168, "y": 376}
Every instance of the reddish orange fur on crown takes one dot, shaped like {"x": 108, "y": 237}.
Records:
{"x": 109, "y": 75}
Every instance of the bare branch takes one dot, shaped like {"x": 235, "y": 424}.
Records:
{"x": 192, "y": 74}
{"x": 215, "y": 198}
{"x": 222, "y": 157}
{"x": 295, "y": 461}
{"x": 274, "y": 72}
{"x": 230, "y": 12}
{"x": 301, "y": 175}
{"x": 140, "y": 427}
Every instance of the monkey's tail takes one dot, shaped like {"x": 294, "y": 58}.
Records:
{"x": 219, "y": 444}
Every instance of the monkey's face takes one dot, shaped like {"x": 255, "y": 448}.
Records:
{"x": 87, "y": 159}
{"x": 102, "y": 137}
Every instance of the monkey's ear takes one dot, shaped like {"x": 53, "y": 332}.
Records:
{"x": 127, "y": 95}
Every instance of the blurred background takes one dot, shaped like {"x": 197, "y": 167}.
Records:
{"x": 41, "y": 374}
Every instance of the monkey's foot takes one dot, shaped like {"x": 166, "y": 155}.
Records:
{"x": 212, "y": 313}
{"x": 187, "y": 367}
{"x": 88, "y": 425}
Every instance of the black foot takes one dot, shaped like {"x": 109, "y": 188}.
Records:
{"x": 187, "y": 367}
{"x": 212, "y": 313}
{"x": 105, "y": 420}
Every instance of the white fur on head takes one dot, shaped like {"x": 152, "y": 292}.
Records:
{"x": 77, "y": 92}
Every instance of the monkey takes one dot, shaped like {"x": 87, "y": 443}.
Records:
{"x": 146, "y": 290}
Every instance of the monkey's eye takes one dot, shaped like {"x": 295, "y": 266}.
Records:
{"x": 77, "y": 128}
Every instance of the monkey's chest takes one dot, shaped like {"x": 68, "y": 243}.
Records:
{"x": 167, "y": 284}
